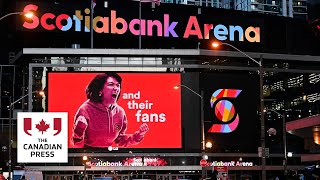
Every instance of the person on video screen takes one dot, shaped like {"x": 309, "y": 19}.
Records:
{"x": 100, "y": 121}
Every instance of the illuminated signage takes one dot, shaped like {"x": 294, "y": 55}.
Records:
{"x": 204, "y": 163}
{"x": 80, "y": 22}
{"x": 224, "y": 110}
{"x": 132, "y": 110}
{"x": 231, "y": 163}
{"x": 136, "y": 161}
{"x": 42, "y": 137}
{"x": 230, "y": 103}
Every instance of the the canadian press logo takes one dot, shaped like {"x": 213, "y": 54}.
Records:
{"x": 42, "y": 137}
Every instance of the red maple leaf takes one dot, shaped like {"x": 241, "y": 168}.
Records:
{"x": 42, "y": 126}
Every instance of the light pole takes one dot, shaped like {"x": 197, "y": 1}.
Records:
{"x": 203, "y": 145}
{"x": 262, "y": 130}
{"x": 10, "y": 127}
{"x": 85, "y": 159}
{"x": 26, "y": 14}
{"x": 284, "y": 136}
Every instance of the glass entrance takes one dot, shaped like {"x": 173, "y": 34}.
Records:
{"x": 170, "y": 176}
{"x": 58, "y": 177}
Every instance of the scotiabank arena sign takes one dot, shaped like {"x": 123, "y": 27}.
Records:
{"x": 162, "y": 26}
{"x": 204, "y": 163}
{"x": 42, "y": 137}
{"x": 136, "y": 161}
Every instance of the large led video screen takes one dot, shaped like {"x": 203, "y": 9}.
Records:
{"x": 231, "y": 102}
{"x": 118, "y": 110}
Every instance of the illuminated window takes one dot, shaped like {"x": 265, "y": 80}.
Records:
{"x": 295, "y": 82}
{"x": 277, "y": 106}
{"x": 277, "y": 86}
{"x": 314, "y": 78}
{"x": 313, "y": 97}
{"x": 296, "y": 101}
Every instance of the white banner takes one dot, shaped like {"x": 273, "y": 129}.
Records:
{"x": 42, "y": 137}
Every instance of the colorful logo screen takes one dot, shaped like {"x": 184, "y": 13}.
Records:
{"x": 231, "y": 101}
{"x": 125, "y": 110}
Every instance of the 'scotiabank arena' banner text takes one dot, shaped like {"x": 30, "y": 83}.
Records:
{"x": 125, "y": 110}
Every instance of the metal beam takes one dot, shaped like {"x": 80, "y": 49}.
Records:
{"x": 152, "y": 168}
{"x": 159, "y": 52}
{"x": 186, "y": 66}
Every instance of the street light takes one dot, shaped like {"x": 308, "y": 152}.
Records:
{"x": 85, "y": 159}
{"x": 284, "y": 136}
{"x": 209, "y": 145}
{"x": 10, "y": 127}
{"x": 26, "y": 14}
{"x": 262, "y": 130}
{"x": 203, "y": 147}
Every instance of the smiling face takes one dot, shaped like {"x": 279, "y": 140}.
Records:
{"x": 110, "y": 91}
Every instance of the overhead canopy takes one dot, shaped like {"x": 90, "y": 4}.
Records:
{"x": 307, "y": 128}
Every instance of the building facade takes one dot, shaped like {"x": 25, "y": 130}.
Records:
{"x": 179, "y": 43}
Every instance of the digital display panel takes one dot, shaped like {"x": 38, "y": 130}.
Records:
{"x": 125, "y": 110}
{"x": 230, "y": 106}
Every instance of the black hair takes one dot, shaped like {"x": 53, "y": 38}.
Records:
{"x": 96, "y": 85}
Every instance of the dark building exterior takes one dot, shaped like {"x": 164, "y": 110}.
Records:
{"x": 179, "y": 40}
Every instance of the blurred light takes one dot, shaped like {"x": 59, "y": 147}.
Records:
{"x": 205, "y": 157}
{"x": 272, "y": 131}
{"x": 215, "y": 44}
{"x": 28, "y": 15}
{"x": 289, "y": 154}
{"x": 176, "y": 87}
{"x": 316, "y": 134}
{"x": 84, "y": 158}
{"x": 41, "y": 93}
{"x": 304, "y": 98}
{"x": 208, "y": 144}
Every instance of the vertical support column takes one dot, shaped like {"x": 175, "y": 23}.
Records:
{"x": 284, "y": 134}
{"x": 91, "y": 25}
{"x": 284, "y": 8}
{"x": 1, "y": 86}
{"x": 203, "y": 147}
{"x": 290, "y": 8}
{"x": 23, "y": 93}
{"x": 30, "y": 88}
{"x": 10, "y": 139}
{"x": 263, "y": 143}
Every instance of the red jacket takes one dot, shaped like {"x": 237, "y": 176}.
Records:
{"x": 98, "y": 126}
